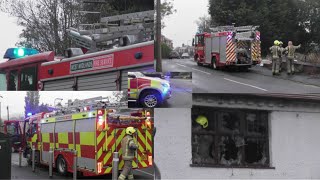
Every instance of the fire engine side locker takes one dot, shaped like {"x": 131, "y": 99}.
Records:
{"x": 215, "y": 45}
{"x": 207, "y": 50}
{"x": 223, "y": 49}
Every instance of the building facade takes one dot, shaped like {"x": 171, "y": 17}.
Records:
{"x": 241, "y": 137}
{"x": 167, "y": 41}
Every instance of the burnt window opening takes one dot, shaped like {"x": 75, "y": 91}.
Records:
{"x": 229, "y": 137}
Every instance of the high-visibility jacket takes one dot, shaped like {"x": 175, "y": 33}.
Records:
{"x": 291, "y": 50}
{"x": 128, "y": 148}
{"x": 275, "y": 50}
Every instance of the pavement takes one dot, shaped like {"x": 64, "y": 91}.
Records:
{"x": 25, "y": 172}
{"x": 257, "y": 80}
{"x": 181, "y": 95}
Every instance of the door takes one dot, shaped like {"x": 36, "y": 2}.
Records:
{"x": 132, "y": 86}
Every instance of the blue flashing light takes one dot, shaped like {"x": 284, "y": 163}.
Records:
{"x": 166, "y": 88}
{"x": 15, "y": 53}
{"x": 29, "y": 114}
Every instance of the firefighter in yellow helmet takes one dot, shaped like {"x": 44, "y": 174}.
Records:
{"x": 129, "y": 148}
{"x": 290, "y": 49}
{"x": 203, "y": 121}
{"x": 275, "y": 50}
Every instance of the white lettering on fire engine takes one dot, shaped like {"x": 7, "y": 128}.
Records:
{"x": 99, "y": 62}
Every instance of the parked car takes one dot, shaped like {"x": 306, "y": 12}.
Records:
{"x": 185, "y": 56}
{"x": 174, "y": 55}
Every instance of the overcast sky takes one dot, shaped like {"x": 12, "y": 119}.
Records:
{"x": 181, "y": 26}
{"x": 9, "y": 33}
{"x": 15, "y": 99}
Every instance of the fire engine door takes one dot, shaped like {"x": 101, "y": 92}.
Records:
{"x": 33, "y": 134}
{"x": 120, "y": 134}
{"x": 207, "y": 50}
{"x": 132, "y": 86}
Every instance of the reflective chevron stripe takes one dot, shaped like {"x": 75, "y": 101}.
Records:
{"x": 230, "y": 50}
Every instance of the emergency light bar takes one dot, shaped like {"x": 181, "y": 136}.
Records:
{"x": 15, "y": 53}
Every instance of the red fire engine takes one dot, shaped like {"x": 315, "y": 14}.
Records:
{"x": 228, "y": 46}
{"x": 14, "y": 129}
{"x": 111, "y": 52}
{"x": 94, "y": 131}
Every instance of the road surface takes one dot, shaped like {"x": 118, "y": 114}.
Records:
{"x": 181, "y": 94}
{"x": 25, "y": 172}
{"x": 257, "y": 80}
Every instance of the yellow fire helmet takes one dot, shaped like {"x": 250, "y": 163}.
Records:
{"x": 130, "y": 130}
{"x": 203, "y": 121}
{"x": 276, "y": 42}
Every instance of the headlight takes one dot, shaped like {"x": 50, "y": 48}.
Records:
{"x": 165, "y": 85}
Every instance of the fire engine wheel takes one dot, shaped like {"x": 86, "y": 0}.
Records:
{"x": 150, "y": 99}
{"x": 62, "y": 166}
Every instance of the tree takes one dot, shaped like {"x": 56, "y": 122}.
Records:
{"x": 31, "y": 102}
{"x": 165, "y": 50}
{"x": 45, "y": 22}
{"x": 167, "y": 9}
{"x": 120, "y": 96}
{"x": 204, "y": 24}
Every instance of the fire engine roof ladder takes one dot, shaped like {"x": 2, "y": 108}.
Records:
{"x": 232, "y": 28}
{"x": 94, "y": 36}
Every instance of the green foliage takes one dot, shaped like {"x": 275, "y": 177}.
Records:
{"x": 283, "y": 20}
{"x": 31, "y": 102}
{"x": 167, "y": 9}
{"x": 204, "y": 24}
{"x": 165, "y": 51}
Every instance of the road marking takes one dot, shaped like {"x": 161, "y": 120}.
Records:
{"x": 201, "y": 71}
{"x": 311, "y": 86}
{"x": 144, "y": 172}
{"x": 245, "y": 84}
{"x": 181, "y": 65}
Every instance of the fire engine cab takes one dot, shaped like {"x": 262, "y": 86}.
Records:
{"x": 147, "y": 91}
{"x": 14, "y": 129}
{"x": 228, "y": 46}
{"x": 94, "y": 131}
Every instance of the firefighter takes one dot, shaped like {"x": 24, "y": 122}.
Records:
{"x": 275, "y": 50}
{"x": 290, "y": 49}
{"x": 203, "y": 121}
{"x": 281, "y": 55}
{"x": 129, "y": 148}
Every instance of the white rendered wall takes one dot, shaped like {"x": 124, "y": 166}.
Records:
{"x": 294, "y": 148}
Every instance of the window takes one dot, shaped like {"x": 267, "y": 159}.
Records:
{"x": 229, "y": 138}
{"x": 12, "y": 129}
{"x": 13, "y": 80}
{"x": 28, "y": 79}
{"x": 3, "y": 81}
{"x": 200, "y": 40}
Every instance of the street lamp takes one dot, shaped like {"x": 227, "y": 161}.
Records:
{"x": 158, "y": 34}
